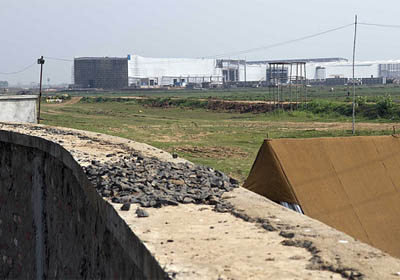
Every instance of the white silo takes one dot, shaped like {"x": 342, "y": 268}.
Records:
{"x": 320, "y": 73}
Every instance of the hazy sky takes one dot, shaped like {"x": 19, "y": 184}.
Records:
{"x": 186, "y": 28}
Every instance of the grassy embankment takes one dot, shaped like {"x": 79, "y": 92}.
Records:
{"x": 227, "y": 141}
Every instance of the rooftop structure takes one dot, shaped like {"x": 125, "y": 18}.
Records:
{"x": 307, "y": 60}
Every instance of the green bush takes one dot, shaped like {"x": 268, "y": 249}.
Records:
{"x": 385, "y": 106}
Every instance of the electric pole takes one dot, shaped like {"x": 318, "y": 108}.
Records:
{"x": 41, "y": 62}
{"x": 354, "y": 82}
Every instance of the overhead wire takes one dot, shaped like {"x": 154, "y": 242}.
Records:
{"x": 379, "y": 25}
{"x": 31, "y": 65}
{"x": 19, "y": 71}
{"x": 58, "y": 59}
{"x": 230, "y": 54}
{"x": 281, "y": 43}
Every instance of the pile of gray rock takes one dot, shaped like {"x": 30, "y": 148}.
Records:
{"x": 154, "y": 183}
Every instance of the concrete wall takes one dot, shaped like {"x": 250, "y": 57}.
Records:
{"x": 18, "y": 108}
{"x": 53, "y": 224}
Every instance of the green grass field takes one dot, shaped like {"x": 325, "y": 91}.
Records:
{"x": 228, "y": 141}
{"x": 339, "y": 93}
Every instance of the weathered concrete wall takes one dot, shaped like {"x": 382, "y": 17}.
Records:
{"x": 53, "y": 224}
{"x": 18, "y": 108}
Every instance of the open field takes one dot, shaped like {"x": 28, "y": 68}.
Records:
{"x": 228, "y": 141}
{"x": 339, "y": 93}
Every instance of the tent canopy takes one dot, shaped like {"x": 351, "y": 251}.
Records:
{"x": 349, "y": 183}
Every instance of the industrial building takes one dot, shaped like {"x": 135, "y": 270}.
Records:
{"x": 3, "y": 84}
{"x": 136, "y": 71}
{"x": 153, "y": 72}
{"x": 150, "y": 72}
{"x": 101, "y": 72}
{"x": 363, "y": 70}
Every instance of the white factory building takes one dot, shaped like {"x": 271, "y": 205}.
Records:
{"x": 363, "y": 69}
{"x": 171, "y": 71}
{"x": 145, "y": 71}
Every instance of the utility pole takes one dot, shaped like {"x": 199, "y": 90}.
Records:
{"x": 41, "y": 62}
{"x": 354, "y": 84}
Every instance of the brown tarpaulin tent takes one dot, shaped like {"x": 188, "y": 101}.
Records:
{"x": 349, "y": 183}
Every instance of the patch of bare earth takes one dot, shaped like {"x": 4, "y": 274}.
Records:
{"x": 71, "y": 101}
{"x": 213, "y": 152}
{"x": 337, "y": 125}
{"x": 323, "y": 126}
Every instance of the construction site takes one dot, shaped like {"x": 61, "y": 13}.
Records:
{"x": 316, "y": 208}
{"x": 201, "y": 185}
{"x": 142, "y": 72}
{"x": 190, "y": 156}
{"x": 97, "y": 72}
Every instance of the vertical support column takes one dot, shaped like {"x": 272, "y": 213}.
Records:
{"x": 41, "y": 62}
{"x": 297, "y": 85}
{"x": 229, "y": 72}
{"x": 290, "y": 86}
{"x": 245, "y": 73}
{"x": 305, "y": 80}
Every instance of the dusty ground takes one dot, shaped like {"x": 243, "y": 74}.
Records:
{"x": 73, "y": 100}
{"x": 337, "y": 126}
{"x": 213, "y": 152}
{"x": 194, "y": 242}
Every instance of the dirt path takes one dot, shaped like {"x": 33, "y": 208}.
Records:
{"x": 73, "y": 100}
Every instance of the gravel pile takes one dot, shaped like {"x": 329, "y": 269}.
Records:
{"x": 154, "y": 183}
{"x": 128, "y": 177}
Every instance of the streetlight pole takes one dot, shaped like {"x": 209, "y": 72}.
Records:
{"x": 41, "y": 62}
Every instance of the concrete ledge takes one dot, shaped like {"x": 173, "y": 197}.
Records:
{"x": 133, "y": 261}
{"x": 18, "y": 97}
{"x": 18, "y": 108}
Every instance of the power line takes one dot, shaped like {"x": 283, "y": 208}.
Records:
{"x": 281, "y": 43}
{"x": 31, "y": 65}
{"x": 379, "y": 25}
{"x": 59, "y": 59}
{"x": 19, "y": 71}
{"x": 237, "y": 53}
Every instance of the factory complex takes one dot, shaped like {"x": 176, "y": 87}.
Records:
{"x": 136, "y": 71}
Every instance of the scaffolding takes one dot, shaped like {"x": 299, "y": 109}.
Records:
{"x": 389, "y": 70}
{"x": 287, "y": 85}
{"x": 101, "y": 72}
